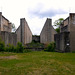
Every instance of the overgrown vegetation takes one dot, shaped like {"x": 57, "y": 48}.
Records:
{"x": 11, "y": 48}
{"x": 73, "y": 51}
{"x": 50, "y": 47}
{"x": 57, "y": 24}
{"x": 35, "y": 44}
{"x": 2, "y": 46}
{"x": 13, "y": 27}
{"x": 20, "y": 48}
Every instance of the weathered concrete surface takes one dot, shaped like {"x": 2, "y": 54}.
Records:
{"x": 5, "y": 31}
{"x": 18, "y": 32}
{"x": 8, "y": 37}
{"x": 24, "y": 33}
{"x": 47, "y": 33}
{"x": 72, "y": 31}
{"x": 0, "y": 20}
{"x": 5, "y": 24}
{"x": 62, "y": 42}
{"x": 68, "y": 26}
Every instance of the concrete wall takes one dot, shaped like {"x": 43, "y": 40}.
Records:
{"x": 5, "y": 25}
{"x": 24, "y": 33}
{"x": 47, "y": 33}
{"x": 18, "y": 32}
{"x": 66, "y": 21}
{"x": 62, "y": 42}
{"x": 5, "y": 31}
{"x": 72, "y": 31}
{"x": 8, "y": 37}
{"x": 0, "y": 20}
{"x": 69, "y": 39}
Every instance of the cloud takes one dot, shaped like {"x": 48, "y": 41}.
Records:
{"x": 41, "y": 12}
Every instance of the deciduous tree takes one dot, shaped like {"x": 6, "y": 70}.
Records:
{"x": 57, "y": 24}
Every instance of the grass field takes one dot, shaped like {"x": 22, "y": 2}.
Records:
{"x": 37, "y": 63}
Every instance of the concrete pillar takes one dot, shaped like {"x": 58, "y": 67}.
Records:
{"x": 26, "y": 33}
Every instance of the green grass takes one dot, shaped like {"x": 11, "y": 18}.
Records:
{"x": 37, "y": 63}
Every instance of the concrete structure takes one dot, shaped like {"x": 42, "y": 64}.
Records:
{"x": 8, "y": 37}
{"x": 36, "y": 38}
{"x": 5, "y": 24}
{"x": 47, "y": 33}
{"x": 67, "y": 35}
{"x": 65, "y": 40}
{"x": 5, "y": 31}
{"x": 23, "y": 32}
{"x": 62, "y": 42}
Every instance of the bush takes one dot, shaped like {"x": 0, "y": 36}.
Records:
{"x": 10, "y": 48}
{"x": 2, "y": 46}
{"x": 19, "y": 48}
{"x": 73, "y": 51}
{"x": 27, "y": 50}
{"x": 35, "y": 44}
{"x": 50, "y": 47}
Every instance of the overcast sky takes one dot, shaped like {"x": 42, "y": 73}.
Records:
{"x": 36, "y": 11}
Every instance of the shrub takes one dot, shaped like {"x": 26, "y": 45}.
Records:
{"x": 50, "y": 47}
{"x": 73, "y": 51}
{"x": 27, "y": 50}
{"x": 2, "y": 46}
{"x": 19, "y": 48}
{"x": 10, "y": 48}
{"x": 46, "y": 45}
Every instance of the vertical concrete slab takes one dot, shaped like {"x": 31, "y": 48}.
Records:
{"x": 24, "y": 33}
{"x": 47, "y": 33}
{"x": 18, "y": 32}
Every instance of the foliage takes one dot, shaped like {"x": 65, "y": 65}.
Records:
{"x": 10, "y": 48}
{"x": 57, "y": 24}
{"x": 57, "y": 30}
{"x": 2, "y": 46}
{"x": 50, "y": 47}
{"x": 35, "y": 44}
{"x": 73, "y": 51}
{"x": 27, "y": 50}
{"x": 13, "y": 28}
{"x": 19, "y": 48}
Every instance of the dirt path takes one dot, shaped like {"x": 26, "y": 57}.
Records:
{"x": 8, "y": 57}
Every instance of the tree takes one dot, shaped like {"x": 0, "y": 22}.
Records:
{"x": 13, "y": 27}
{"x": 57, "y": 24}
